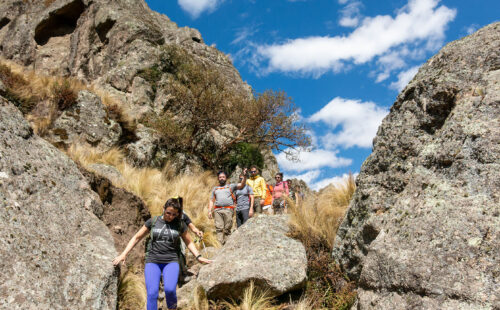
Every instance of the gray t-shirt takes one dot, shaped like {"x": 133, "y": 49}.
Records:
{"x": 243, "y": 198}
{"x": 166, "y": 240}
{"x": 222, "y": 195}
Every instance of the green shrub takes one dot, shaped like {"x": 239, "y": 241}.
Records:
{"x": 244, "y": 155}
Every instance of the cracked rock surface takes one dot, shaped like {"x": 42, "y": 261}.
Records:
{"x": 55, "y": 253}
{"x": 423, "y": 229}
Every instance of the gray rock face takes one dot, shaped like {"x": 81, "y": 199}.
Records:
{"x": 106, "y": 41}
{"x": 258, "y": 251}
{"x": 270, "y": 166}
{"x": 109, "y": 43}
{"x": 423, "y": 230}
{"x": 142, "y": 151}
{"x": 54, "y": 251}
{"x": 85, "y": 122}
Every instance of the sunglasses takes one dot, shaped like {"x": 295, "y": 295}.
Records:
{"x": 253, "y": 171}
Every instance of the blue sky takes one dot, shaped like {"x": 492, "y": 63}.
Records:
{"x": 342, "y": 61}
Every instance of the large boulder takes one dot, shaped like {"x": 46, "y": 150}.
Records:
{"x": 258, "y": 251}
{"x": 423, "y": 229}
{"x": 54, "y": 252}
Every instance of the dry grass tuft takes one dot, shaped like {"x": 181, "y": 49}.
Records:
{"x": 199, "y": 300}
{"x": 156, "y": 186}
{"x": 315, "y": 222}
{"x": 318, "y": 217}
{"x": 303, "y": 304}
{"x": 117, "y": 110}
{"x": 253, "y": 299}
{"x": 132, "y": 291}
{"x": 41, "y": 97}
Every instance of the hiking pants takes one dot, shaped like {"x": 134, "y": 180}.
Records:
{"x": 257, "y": 208}
{"x": 279, "y": 205}
{"x": 241, "y": 217}
{"x": 152, "y": 274}
{"x": 223, "y": 218}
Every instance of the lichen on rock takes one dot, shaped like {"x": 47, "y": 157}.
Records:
{"x": 423, "y": 228}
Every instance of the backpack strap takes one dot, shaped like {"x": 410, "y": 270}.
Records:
{"x": 232, "y": 196}
{"x": 153, "y": 223}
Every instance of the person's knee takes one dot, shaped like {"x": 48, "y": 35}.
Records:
{"x": 170, "y": 293}
{"x": 152, "y": 294}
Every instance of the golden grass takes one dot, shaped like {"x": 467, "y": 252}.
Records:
{"x": 50, "y": 94}
{"x": 303, "y": 304}
{"x": 131, "y": 291}
{"x": 318, "y": 217}
{"x": 198, "y": 300}
{"x": 155, "y": 186}
{"x": 253, "y": 299}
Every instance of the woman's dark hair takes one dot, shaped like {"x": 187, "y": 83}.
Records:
{"x": 175, "y": 203}
{"x": 280, "y": 174}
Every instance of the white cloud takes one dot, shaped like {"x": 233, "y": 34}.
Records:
{"x": 472, "y": 28}
{"x": 350, "y": 14}
{"x": 243, "y": 33}
{"x": 358, "y": 122}
{"x": 404, "y": 78}
{"x": 325, "y": 182}
{"x": 314, "y": 159}
{"x": 389, "y": 62}
{"x": 420, "y": 24}
{"x": 307, "y": 177}
{"x": 314, "y": 182}
{"x": 196, "y": 7}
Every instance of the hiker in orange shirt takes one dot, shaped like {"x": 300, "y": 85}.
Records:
{"x": 268, "y": 202}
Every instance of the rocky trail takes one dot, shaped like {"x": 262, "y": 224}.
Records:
{"x": 422, "y": 230}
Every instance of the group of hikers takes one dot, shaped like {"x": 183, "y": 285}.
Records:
{"x": 164, "y": 249}
{"x": 249, "y": 196}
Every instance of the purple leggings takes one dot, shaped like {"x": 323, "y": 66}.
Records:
{"x": 152, "y": 273}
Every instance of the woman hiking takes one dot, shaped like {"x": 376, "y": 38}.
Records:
{"x": 162, "y": 250}
{"x": 280, "y": 192}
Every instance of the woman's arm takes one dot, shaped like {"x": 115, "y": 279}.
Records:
{"x": 190, "y": 245}
{"x": 195, "y": 230}
{"x": 250, "y": 212}
{"x": 135, "y": 239}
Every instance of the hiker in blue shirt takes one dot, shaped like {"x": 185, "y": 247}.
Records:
{"x": 244, "y": 204}
{"x": 162, "y": 252}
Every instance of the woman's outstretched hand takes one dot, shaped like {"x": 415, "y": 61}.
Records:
{"x": 204, "y": 260}
{"x": 119, "y": 259}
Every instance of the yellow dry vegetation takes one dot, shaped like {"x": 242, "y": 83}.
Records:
{"x": 318, "y": 217}
{"x": 132, "y": 291}
{"x": 155, "y": 186}
{"x": 252, "y": 299}
{"x": 49, "y": 94}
